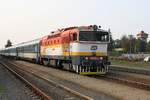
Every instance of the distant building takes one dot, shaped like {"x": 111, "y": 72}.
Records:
{"x": 142, "y": 36}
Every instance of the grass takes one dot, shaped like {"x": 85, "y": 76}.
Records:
{"x": 2, "y": 89}
{"x": 131, "y": 64}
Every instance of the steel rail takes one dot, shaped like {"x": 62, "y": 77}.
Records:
{"x": 130, "y": 82}
{"x": 84, "y": 97}
{"x": 130, "y": 70}
{"x": 36, "y": 90}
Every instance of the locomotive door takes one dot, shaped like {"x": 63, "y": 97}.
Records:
{"x": 66, "y": 45}
{"x": 70, "y": 44}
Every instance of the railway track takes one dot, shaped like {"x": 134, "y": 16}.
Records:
{"x": 40, "y": 76}
{"x": 111, "y": 76}
{"x": 121, "y": 75}
{"x": 126, "y": 81}
{"x": 32, "y": 87}
{"x": 116, "y": 74}
{"x": 112, "y": 80}
{"x": 130, "y": 70}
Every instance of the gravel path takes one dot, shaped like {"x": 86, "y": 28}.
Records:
{"x": 117, "y": 90}
{"x": 13, "y": 89}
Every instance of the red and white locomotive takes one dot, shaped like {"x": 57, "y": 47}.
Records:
{"x": 81, "y": 49}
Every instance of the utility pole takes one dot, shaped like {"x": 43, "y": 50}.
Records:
{"x": 130, "y": 37}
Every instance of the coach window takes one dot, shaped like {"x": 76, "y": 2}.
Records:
{"x": 56, "y": 41}
{"x": 74, "y": 36}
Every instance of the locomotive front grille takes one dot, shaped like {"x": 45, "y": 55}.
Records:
{"x": 93, "y": 67}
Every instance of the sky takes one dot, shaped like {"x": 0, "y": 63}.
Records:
{"x": 24, "y": 20}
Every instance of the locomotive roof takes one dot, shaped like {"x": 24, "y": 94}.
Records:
{"x": 80, "y": 28}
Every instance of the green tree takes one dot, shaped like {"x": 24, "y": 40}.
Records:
{"x": 141, "y": 46}
{"x": 111, "y": 44}
{"x": 117, "y": 43}
{"x": 125, "y": 43}
{"x": 132, "y": 44}
{"x": 137, "y": 45}
{"x": 148, "y": 47}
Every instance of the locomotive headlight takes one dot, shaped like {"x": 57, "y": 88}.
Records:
{"x": 86, "y": 58}
{"x": 101, "y": 58}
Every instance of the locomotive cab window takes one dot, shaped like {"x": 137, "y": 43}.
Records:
{"x": 94, "y": 36}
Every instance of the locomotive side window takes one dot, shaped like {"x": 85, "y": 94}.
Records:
{"x": 74, "y": 36}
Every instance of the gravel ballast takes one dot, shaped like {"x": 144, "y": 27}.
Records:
{"x": 12, "y": 88}
{"x": 114, "y": 89}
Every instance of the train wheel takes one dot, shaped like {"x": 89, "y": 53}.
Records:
{"x": 59, "y": 64}
{"x": 71, "y": 67}
{"x": 46, "y": 62}
{"x": 76, "y": 68}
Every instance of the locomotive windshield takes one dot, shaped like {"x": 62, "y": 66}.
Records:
{"x": 94, "y": 36}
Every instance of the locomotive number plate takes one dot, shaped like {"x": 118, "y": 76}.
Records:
{"x": 94, "y": 47}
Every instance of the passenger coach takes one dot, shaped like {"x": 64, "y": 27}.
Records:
{"x": 27, "y": 50}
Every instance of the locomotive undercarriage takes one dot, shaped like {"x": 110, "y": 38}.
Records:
{"x": 91, "y": 69}
{"x": 76, "y": 64}
{"x": 88, "y": 65}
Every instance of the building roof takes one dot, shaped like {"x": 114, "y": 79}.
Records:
{"x": 142, "y": 33}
